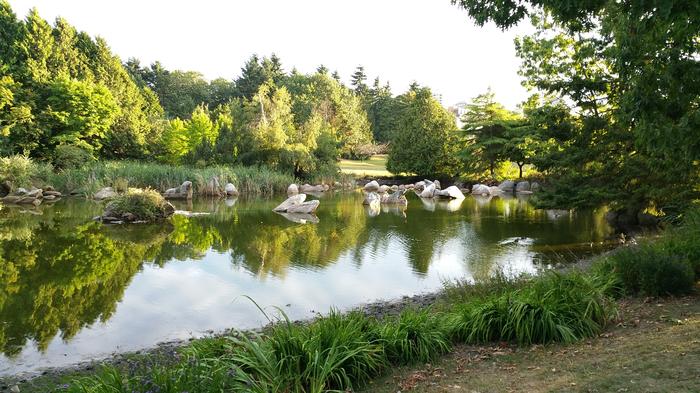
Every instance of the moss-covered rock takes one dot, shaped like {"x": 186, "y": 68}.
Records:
{"x": 137, "y": 205}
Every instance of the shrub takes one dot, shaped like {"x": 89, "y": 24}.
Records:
{"x": 553, "y": 308}
{"x": 71, "y": 157}
{"x": 146, "y": 205}
{"x": 651, "y": 269}
{"x": 415, "y": 336}
{"x": 331, "y": 353}
{"x": 19, "y": 170}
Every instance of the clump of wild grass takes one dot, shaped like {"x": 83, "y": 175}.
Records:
{"x": 414, "y": 336}
{"x": 146, "y": 205}
{"x": 553, "y": 308}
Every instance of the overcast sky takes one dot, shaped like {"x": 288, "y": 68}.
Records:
{"x": 429, "y": 41}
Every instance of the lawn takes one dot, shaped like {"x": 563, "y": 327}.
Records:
{"x": 375, "y": 166}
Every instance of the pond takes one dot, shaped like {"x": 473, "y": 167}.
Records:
{"x": 72, "y": 289}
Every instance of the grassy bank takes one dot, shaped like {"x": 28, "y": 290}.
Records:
{"x": 341, "y": 352}
{"x": 374, "y": 166}
{"x": 23, "y": 172}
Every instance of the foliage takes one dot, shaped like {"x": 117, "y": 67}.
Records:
{"x": 666, "y": 266}
{"x": 61, "y": 86}
{"x": 554, "y": 308}
{"x": 19, "y": 171}
{"x": 426, "y": 143}
{"x": 414, "y": 336}
{"x": 618, "y": 89}
{"x": 494, "y": 135}
{"x": 66, "y": 156}
{"x": 146, "y": 205}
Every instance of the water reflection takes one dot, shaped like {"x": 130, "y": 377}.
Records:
{"x": 67, "y": 284}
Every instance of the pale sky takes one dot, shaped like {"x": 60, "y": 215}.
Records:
{"x": 429, "y": 41}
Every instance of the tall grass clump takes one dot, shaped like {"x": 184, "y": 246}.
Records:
{"x": 146, "y": 205}
{"x": 554, "y": 308}
{"x": 20, "y": 171}
{"x": 331, "y": 354}
{"x": 414, "y": 336}
{"x": 90, "y": 178}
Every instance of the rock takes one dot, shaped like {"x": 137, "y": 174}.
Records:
{"x": 507, "y": 186}
{"x": 437, "y": 184}
{"x": 535, "y": 186}
{"x": 480, "y": 189}
{"x": 395, "y": 187}
{"x": 383, "y": 189}
{"x": 291, "y": 201}
{"x": 35, "y": 193}
{"x": 105, "y": 193}
{"x": 450, "y": 192}
{"x": 419, "y": 185}
{"x": 12, "y": 198}
{"x": 372, "y": 186}
{"x": 231, "y": 190}
{"x": 130, "y": 207}
{"x": 55, "y": 194}
{"x": 293, "y": 189}
{"x": 326, "y": 187}
{"x": 49, "y": 197}
{"x": 21, "y": 191}
{"x": 213, "y": 188}
{"x": 14, "y": 389}
{"x": 5, "y": 188}
{"x": 310, "y": 188}
{"x": 428, "y": 191}
{"x": 396, "y": 198}
{"x": 184, "y": 191}
{"x": 337, "y": 184}
{"x": 307, "y": 207}
{"x": 522, "y": 186}
{"x": 495, "y": 191}
{"x": 49, "y": 188}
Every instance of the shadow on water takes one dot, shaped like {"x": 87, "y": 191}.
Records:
{"x": 61, "y": 272}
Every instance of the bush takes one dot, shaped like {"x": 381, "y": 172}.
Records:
{"x": 553, "y": 308}
{"x": 145, "y": 205}
{"x": 332, "y": 353}
{"x": 415, "y": 336}
{"x": 650, "y": 269}
{"x": 71, "y": 157}
{"x": 19, "y": 170}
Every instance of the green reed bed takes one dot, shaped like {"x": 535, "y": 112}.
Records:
{"x": 122, "y": 174}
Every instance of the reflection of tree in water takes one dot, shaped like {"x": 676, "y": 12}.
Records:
{"x": 62, "y": 278}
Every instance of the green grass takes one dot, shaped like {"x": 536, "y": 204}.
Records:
{"x": 89, "y": 179}
{"x": 375, "y": 166}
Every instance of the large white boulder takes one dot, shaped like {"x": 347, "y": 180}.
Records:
{"x": 450, "y": 192}
{"x": 522, "y": 186}
{"x": 184, "y": 191}
{"x": 231, "y": 190}
{"x": 481, "y": 189}
{"x": 495, "y": 191}
{"x": 507, "y": 186}
{"x": 105, "y": 193}
{"x": 428, "y": 191}
{"x": 372, "y": 186}
{"x": 291, "y": 201}
{"x": 293, "y": 189}
{"x": 307, "y": 207}
{"x": 383, "y": 189}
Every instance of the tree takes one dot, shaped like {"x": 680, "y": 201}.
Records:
{"x": 426, "y": 142}
{"x": 488, "y": 130}
{"x": 358, "y": 81}
{"x": 628, "y": 71}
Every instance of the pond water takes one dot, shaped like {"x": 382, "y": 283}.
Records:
{"x": 72, "y": 289}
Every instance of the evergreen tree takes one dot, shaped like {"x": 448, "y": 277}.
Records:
{"x": 358, "y": 81}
